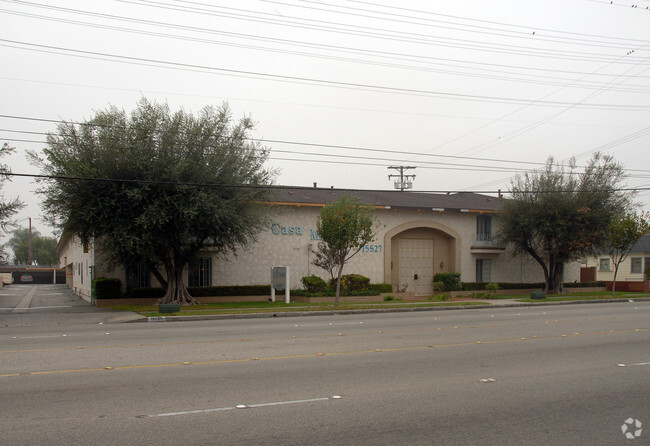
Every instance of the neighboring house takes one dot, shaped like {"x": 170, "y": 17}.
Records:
{"x": 631, "y": 272}
{"x": 419, "y": 235}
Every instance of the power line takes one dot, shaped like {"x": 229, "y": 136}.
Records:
{"x": 488, "y": 74}
{"x": 316, "y": 81}
{"x": 371, "y": 150}
{"x": 269, "y": 186}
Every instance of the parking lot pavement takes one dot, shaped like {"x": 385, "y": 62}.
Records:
{"x": 43, "y": 305}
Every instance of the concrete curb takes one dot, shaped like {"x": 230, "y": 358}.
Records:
{"x": 373, "y": 310}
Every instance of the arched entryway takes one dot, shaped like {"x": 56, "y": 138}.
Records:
{"x": 416, "y": 251}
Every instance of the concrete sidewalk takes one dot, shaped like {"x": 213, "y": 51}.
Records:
{"x": 44, "y": 305}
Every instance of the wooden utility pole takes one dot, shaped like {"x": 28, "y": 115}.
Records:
{"x": 405, "y": 181}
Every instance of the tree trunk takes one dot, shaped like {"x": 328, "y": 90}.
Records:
{"x": 176, "y": 290}
{"x": 554, "y": 279}
{"x": 338, "y": 286}
{"x": 614, "y": 279}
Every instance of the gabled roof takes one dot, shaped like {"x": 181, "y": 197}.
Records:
{"x": 314, "y": 196}
{"x": 642, "y": 246}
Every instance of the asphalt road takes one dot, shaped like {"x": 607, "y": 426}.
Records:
{"x": 505, "y": 376}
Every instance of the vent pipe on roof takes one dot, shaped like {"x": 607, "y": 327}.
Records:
{"x": 315, "y": 185}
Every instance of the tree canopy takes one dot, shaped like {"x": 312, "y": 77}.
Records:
{"x": 344, "y": 227}
{"x": 8, "y": 208}
{"x": 43, "y": 248}
{"x": 559, "y": 214}
{"x": 154, "y": 187}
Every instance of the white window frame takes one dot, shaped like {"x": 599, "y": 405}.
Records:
{"x": 604, "y": 261}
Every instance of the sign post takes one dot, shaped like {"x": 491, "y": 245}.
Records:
{"x": 280, "y": 280}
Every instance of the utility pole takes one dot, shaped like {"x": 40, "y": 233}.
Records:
{"x": 29, "y": 243}
{"x": 405, "y": 181}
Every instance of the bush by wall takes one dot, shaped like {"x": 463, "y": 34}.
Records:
{"x": 314, "y": 284}
{"x": 381, "y": 287}
{"x": 584, "y": 284}
{"x": 352, "y": 282}
{"x": 451, "y": 281}
{"x": 107, "y": 288}
{"x": 245, "y": 290}
{"x": 139, "y": 293}
{"x": 480, "y": 286}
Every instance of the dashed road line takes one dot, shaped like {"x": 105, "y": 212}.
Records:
{"x": 243, "y": 406}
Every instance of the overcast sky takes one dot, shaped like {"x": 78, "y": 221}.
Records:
{"x": 469, "y": 92}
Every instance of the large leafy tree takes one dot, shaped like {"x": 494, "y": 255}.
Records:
{"x": 8, "y": 208}
{"x": 623, "y": 232}
{"x": 344, "y": 227}
{"x": 560, "y": 214}
{"x": 43, "y": 248}
{"x": 155, "y": 187}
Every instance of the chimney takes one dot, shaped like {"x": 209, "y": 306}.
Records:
{"x": 315, "y": 185}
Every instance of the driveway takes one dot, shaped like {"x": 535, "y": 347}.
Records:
{"x": 43, "y": 305}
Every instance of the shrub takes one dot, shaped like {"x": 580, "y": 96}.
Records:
{"x": 381, "y": 287}
{"x": 451, "y": 281}
{"x": 138, "y": 293}
{"x": 107, "y": 288}
{"x": 314, "y": 284}
{"x": 438, "y": 286}
{"x": 352, "y": 282}
{"x": 244, "y": 290}
{"x": 389, "y": 298}
{"x": 492, "y": 288}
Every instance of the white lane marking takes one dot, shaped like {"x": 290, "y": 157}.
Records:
{"x": 51, "y": 306}
{"x": 240, "y": 406}
{"x": 39, "y": 308}
{"x": 635, "y": 364}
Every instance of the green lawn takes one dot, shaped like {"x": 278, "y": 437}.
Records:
{"x": 280, "y": 306}
{"x": 265, "y": 307}
{"x": 584, "y": 296}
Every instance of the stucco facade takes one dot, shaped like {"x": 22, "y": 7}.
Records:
{"x": 291, "y": 238}
{"x": 418, "y": 235}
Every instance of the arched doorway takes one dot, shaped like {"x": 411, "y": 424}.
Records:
{"x": 416, "y": 252}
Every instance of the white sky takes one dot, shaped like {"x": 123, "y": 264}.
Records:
{"x": 503, "y": 84}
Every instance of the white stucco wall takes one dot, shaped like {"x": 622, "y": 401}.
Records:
{"x": 289, "y": 238}
{"x": 78, "y": 265}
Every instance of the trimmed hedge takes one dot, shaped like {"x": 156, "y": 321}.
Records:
{"x": 246, "y": 290}
{"x": 480, "y": 286}
{"x": 139, "y": 293}
{"x": 107, "y": 288}
{"x": 381, "y": 287}
{"x": 584, "y": 284}
{"x": 450, "y": 281}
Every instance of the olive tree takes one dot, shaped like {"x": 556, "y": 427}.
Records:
{"x": 560, "y": 214}
{"x": 344, "y": 227}
{"x": 155, "y": 187}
